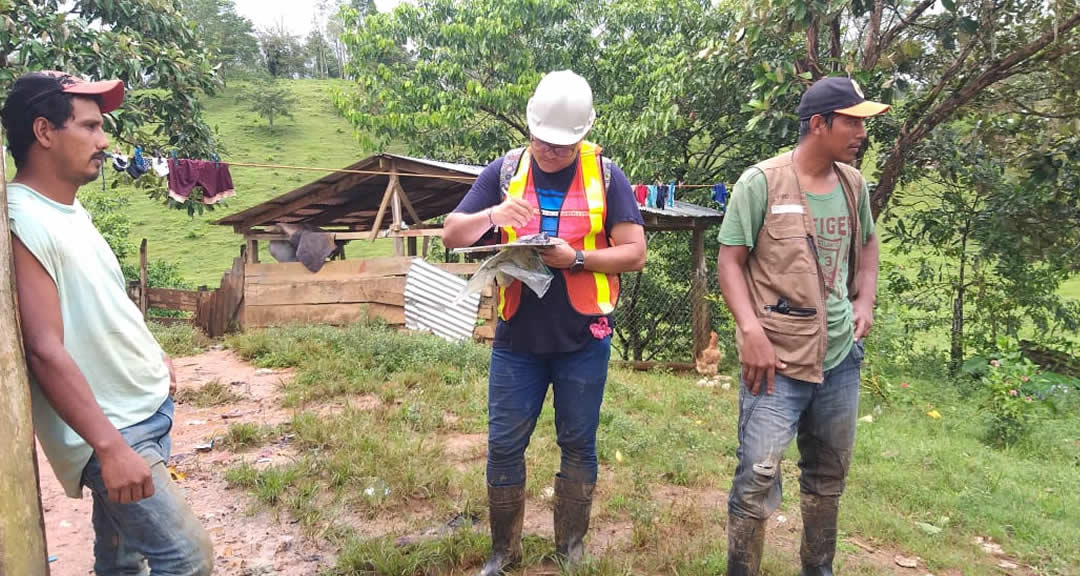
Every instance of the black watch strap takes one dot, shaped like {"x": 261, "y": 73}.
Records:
{"x": 579, "y": 262}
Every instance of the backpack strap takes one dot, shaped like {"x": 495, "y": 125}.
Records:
{"x": 508, "y": 169}
{"x": 605, "y": 164}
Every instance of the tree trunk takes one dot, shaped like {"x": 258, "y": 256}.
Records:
{"x": 889, "y": 176}
{"x": 836, "y": 47}
{"x": 956, "y": 349}
{"x": 870, "y": 47}
{"x": 22, "y": 528}
{"x": 812, "y": 46}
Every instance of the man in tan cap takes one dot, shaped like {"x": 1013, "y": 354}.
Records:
{"x": 100, "y": 384}
{"x": 798, "y": 267}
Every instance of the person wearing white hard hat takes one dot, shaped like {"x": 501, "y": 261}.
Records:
{"x": 562, "y": 185}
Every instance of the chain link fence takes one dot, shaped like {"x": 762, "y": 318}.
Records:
{"x": 653, "y": 320}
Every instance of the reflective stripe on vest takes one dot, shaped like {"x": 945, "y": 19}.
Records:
{"x": 581, "y": 224}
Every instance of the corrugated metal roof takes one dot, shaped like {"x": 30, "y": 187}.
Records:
{"x": 429, "y": 295}
{"x": 352, "y": 200}
{"x": 684, "y": 210}
{"x": 466, "y": 168}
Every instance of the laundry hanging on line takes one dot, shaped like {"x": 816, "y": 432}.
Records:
{"x": 213, "y": 176}
{"x": 183, "y": 174}
{"x": 719, "y": 194}
{"x": 661, "y": 196}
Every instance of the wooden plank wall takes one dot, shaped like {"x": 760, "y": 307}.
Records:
{"x": 342, "y": 292}
{"x": 213, "y": 311}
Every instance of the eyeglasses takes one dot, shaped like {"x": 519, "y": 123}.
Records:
{"x": 560, "y": 151}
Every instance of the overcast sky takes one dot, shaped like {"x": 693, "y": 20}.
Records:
{"x": 295, "y": 14}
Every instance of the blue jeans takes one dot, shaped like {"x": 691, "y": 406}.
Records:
{"x": 161, "y": 531}
{"x": 517, "y": 385}
{"x": 822, "y": 415}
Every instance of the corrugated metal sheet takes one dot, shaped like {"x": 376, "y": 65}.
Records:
{"x": 465, "y": 168}
{"x": 684, "y": 210}
{"x": 429, "y": 296}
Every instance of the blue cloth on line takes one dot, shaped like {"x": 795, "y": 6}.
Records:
{"x": 719, "y": 194}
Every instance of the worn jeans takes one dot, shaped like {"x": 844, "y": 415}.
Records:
{"x": 159, "y": 533}
{"x": 824, "y": 418}
{"x": 517, "y": 385}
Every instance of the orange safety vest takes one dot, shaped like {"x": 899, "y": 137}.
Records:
{"x": 581, "y": 224}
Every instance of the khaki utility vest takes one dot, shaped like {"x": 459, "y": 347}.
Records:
{"x": 783, "y": 269}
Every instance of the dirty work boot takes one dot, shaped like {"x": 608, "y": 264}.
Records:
{"x": 506, "y": 505}
{"x": 746, "y": 540}
{"x": 573, "y": 503}
{"x": 819, "y": 534}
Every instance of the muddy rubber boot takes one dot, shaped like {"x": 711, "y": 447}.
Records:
{"x": 819, "y": 534}
{"x": 746, "y": 540}
{"x": 506, "y": 505}
{"x": 573, "y": 504}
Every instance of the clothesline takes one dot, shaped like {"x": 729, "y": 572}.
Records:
{"x": 346, "y": 171}
{"x": 386, "y": 173}
{"x": 380, "y": 172}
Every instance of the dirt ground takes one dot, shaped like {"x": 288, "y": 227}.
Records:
{"x": 253, "y": 542}
{"x": 247, "y": 542}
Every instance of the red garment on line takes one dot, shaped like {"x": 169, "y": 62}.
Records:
{"x": 186, "y": 174}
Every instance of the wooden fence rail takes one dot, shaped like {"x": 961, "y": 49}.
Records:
{"x": 213, "y": 311}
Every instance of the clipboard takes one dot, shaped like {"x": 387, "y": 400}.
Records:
{"x": 541, "y": 240}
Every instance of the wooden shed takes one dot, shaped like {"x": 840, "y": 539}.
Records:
{"x": 394, "y": 196}
{"x": 382, "y": 196}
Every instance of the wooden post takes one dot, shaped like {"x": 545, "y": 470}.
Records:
{"x": 408, "y": 204}
{"x": 204, "y": 310}
{"x": 253, "y": 251}
{"x": 22, "y": 527}
{"x": 699, "y": 307}
{"x": 395, "y": 209}
{"x": 427, "y": 246}
{"x": 144, "y": 295}
{"x": 386, "y": 197}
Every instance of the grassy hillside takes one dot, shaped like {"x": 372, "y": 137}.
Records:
{"x": 1072, "y": 288}
{"x": 315, "y": 136}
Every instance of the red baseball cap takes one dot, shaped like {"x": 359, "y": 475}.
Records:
{"x": 36, "y": 86}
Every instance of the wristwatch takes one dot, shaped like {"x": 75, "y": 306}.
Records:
{"x": 579, "y": 262}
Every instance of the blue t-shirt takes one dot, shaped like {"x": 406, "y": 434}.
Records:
{"x": 549, "y": 325}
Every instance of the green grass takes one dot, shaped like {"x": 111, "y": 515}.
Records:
{"x": 659, "y": 434}
{"x": 213, "y": 393}
{"x": 179, "y": 340}
{"x": 1071, "y": 289}
{"x": 316, "y": 136}
{"x": 245, "y": 435}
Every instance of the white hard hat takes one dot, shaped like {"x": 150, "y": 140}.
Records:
{"x": 561, "y": 110}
